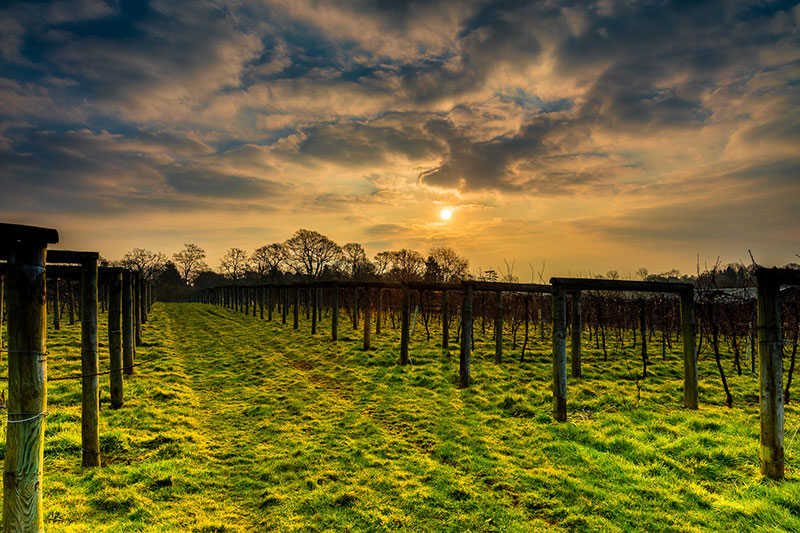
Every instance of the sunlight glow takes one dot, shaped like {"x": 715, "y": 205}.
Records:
{"x": 446, "y": 214}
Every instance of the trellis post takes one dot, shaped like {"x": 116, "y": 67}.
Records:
{"x": 576, "y": 334}
{"x": 406, "y": 319}
{"x": 689, "y": 327}
{"x": 498, "y": 327}
{"x": 314, "y": 304}
{"x": 379, "y": 313}
{"x": 559, "y": 353}
{"x": 27, "y": 375}
{"x": 137, "y": 307}
{"x": 367, "y": 318}
{"x": 115, "y": 337}
{"x": 770, "y": 371}
{"x": 128, "y": 343}
{"x": 445, "y": 320}
{"x": 296, "y": 311}
{"x": 56, "y": 306}
{"x": 335, "y": 314}
{"x": 466, "y": 338}
{"x": 90, "y": 401}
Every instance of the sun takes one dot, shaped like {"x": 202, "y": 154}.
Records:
{"x": 446, "y": 214}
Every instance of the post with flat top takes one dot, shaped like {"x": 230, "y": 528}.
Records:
{"x": 770, "y": 373}
{"x": 27, "y": 374}
{"x": 128, "y": 344}
{"x": 367, "y": 318}
{"x": 576, "y": 334}
{"x": 90, "y": 400}
{"x": 406, "y": 319}
{"x": 335, "y": 314}
{"x": 466, "y": 338}
{"x": 115, "y": 337}
{"x": 689, "y": 326}
{"x": 498, "y": 328}
{"x": 559, "y": 353}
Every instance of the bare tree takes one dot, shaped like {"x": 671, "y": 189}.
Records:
{"x": 189, "y": 262}
{"x": 407, "y": 265}
{"x": 148, "y": 264}
{"x": 383, "y": 260}
{"x": 452, "y": 267}
{"x": 310, "y": 252}
{"x": 234, "y": 264}
{"x": 354, "y": 261}
{"x": 269, "y": 259}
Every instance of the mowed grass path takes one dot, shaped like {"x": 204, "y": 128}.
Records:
{"x": 248, "y": 425}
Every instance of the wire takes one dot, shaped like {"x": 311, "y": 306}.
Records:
{"x": 81, "y": 376}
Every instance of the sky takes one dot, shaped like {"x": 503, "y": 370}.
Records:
{"x": 586, "y": 135}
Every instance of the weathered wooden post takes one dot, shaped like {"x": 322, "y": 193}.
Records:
{"x": 128, "y": 343}
{"x": 498, "y": 327}
{"x": 27, "y": 375}
{"x": 71, "y": 301}
{"x": 296, "y": 311}
{"x": 90, "y": 400}
{"x": 770, "y": 372}
{"x": 262, "y": 295}
{"x": 137, "y": 306}
{"x": 56, "y": 306}
{"x": 466, "y": 338}
{"x": 335, "y": 314}
{"x": 314, "y": 305}
{"x": 115, "y": 336}
{"x": 559, "y": 353}
{"x": 142, "y": 298}
{"x": 445, "y": 320}
{"x": 367, "y": 318}
{"x": 689, "y": 326}
{"x": 576, "y": 334}
{"x": 406, "y": 319}
{"x": 355, "y": 307}
{"x": 379, "y": 313}
{"x": 284, "y": 304}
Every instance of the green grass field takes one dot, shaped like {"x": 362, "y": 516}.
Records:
{"x": 248, "y": 425}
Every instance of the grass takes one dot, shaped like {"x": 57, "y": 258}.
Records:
{"x": 247, "y": 425}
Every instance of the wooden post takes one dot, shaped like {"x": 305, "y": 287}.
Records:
{"x": 90, "y": 400}
{"x": 379, "y": 313}
{"x": 296, "y": 316}
{"x": 445, "y": 320}
{"x": 355, "y": 308}
{"x": 27, "y": 384}
{"x": 56, "y": 306}
{"x": 335, "y": 314}
{"x": 770, "y": 372}
{"x": 309, "y": 297}
{"x": 576, "y": 334}
{"x": 314, "y": 305}
{"x": 404, "y": 332}
{"x": 115, "y": 337}
{"x": 71, "y": 302}
{"x": 270, "y": 302}
{"x": 559, "y": 353}
{"x": 367, "y": 318}
{"x": 128, "y": 343}
{"x": 284, "y": 304}
{"x": 689, "y": 326}
{"x": 466, "y": 339}
{"x": 262, "y": 295}
{"x": 137, "y": 304}
{"x": 498, "y": 327}
{"x": 142, "y": 298}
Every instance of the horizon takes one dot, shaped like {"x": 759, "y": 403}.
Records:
{"x": 593, "y": 136}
